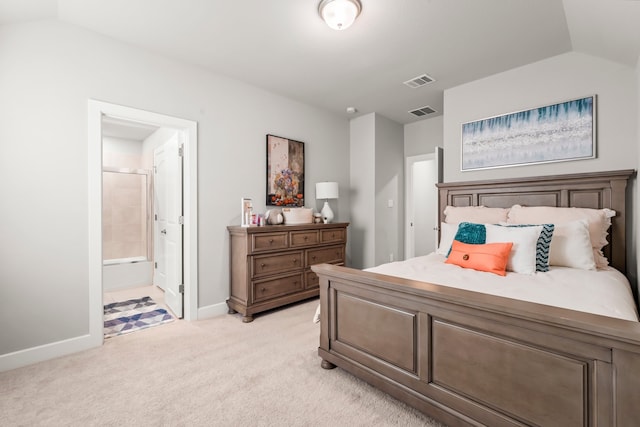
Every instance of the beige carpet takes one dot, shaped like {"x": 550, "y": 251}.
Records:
{"x": 205, "y": 373}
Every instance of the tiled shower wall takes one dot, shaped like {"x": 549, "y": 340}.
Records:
{"x": 124, "y": 205}
{"x": 124, "y": 215}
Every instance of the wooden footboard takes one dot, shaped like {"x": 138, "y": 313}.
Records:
{"x": 467, "y": 358}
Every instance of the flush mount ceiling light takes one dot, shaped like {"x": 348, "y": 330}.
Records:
{"x": 339, "y": 14}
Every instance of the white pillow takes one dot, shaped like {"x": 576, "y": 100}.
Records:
{"x": 598, "y": 221}
{"x": 447, "y": 233}
{"x": 476, "y": 214}
{"x": 522, "y": 258}
{"x": 571, "y": 246}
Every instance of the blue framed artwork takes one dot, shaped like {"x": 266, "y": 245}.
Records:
{"x": 554, "y": 133}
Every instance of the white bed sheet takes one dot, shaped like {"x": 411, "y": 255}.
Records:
{"x": 604, "y": 291}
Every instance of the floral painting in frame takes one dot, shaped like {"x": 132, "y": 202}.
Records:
{"x": 285, "y": 172}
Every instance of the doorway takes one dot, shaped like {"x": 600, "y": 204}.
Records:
{"x": 187, "y": 131}
{"x": 422, "y": 173}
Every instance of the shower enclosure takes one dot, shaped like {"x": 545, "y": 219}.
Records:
{"x": 126, "y": 228}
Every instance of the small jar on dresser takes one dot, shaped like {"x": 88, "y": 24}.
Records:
{"x": 270, "y": 265}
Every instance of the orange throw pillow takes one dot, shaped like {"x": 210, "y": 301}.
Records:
{"x": 490, "y": 257}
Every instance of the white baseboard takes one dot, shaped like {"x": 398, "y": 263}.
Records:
{"x": 212, "y": 310}
{"x": 44, "y": 352}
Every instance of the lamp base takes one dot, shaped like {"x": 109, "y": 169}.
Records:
{"x": 327, "y": 213}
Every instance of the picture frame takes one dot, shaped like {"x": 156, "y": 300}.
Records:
{"x": 285, "y": 172}
{"x": 558, "y": 132}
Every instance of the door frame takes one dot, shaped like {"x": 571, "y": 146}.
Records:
{"x": 409, "y": 237}
{"x": 96, "y": 110}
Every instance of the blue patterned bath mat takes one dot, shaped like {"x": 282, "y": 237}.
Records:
{"x": 133, "y": 315}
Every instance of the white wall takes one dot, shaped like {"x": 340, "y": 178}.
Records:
{"x": 153, "y": 141}
{"x": 48, "y": 71}
{"x": 423, "y": 137}
{"x": 377, "y": 165}
{"x": 389, "y": 188}
{"x": 121, "y": 153}
{"x": 363, "y": 195}
{"x": 560, "y": 78}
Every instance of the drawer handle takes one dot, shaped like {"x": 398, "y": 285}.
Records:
{"x": 313, "y": 257}
{"x": 263, "y": 265}
{"x": 305, "y": 238}
{"x": 271, "y": 241}
{"x": 295, "y": 260}
{"x": 333, "y": 235}
{"x": 263, "y": 289}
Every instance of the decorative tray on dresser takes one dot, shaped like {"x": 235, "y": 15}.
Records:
{"x": 270, "y": 265}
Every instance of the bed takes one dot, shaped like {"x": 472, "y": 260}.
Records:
{"x": 469, "y": 358}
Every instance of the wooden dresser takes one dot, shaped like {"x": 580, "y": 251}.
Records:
{"x": 269, "y": 266}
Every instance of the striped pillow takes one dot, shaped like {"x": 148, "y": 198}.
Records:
{"x": 542, "y": 246}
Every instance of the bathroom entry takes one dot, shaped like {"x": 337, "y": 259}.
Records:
{"x": 142, "y": 210}
{"x": 100, "y": 113}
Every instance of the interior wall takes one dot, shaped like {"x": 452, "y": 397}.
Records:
{"x": 49, "y": 71}
{"x": 153, "y": 141}
{"x": 389, "y": 190}
{"x": 121, "y": 153}
{"x": 423, "y": 137}
{"x": 377, "y": 179}
{"x": 362, "y": 181}
{"x": 560, "y": 78}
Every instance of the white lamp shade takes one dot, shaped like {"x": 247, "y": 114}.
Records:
{"x": 339, "y": 14}
{"x": 327, "y": 190}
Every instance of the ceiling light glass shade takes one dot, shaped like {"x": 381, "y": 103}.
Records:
{"x": 339, "y": 14}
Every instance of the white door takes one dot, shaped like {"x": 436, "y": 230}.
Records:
{"x": 422, "y": 174}
{"x": 170, "y": 222}
{"x": 160, "y": 216}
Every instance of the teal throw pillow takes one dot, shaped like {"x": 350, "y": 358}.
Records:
{"x": 471, "y": 233}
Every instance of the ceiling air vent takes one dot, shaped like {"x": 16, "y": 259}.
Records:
{"x": 419, "y": 81}
{"x": 422, "y": 111}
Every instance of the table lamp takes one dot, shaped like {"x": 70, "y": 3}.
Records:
{"x": 326, "y": 191}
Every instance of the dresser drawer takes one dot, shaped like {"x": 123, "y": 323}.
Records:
{"x": 330, "y": 255}
{"x": 303, "y": 238}
{"x": 270, "y": 241}
{"x": 274, "y": 288}
{"x": 312, "y": 280}
{"x": 333, "y": 235}
{"x": 263, "y": 265}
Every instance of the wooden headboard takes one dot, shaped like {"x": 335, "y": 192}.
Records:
{"x": 587, "y": 190}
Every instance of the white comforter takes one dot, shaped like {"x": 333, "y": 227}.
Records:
{"x": 604, "y": 291}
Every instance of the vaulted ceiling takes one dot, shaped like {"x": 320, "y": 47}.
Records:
{"x": 284, "y": 47}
